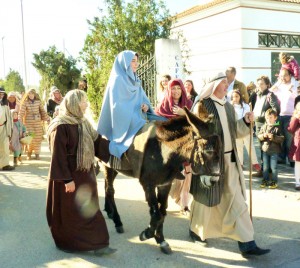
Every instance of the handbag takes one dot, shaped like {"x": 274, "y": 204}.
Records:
{"x": 26, "y": 140}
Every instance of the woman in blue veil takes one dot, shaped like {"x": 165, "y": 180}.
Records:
{"x": 125, "y": 104}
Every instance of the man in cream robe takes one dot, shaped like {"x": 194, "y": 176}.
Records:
{"x": 6, "y": 127}
{"x": 221, "y": 210}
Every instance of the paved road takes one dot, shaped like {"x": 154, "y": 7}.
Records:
{"x": 25, "y": 240}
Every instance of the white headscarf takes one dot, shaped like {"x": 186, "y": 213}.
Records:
{"x": 210, "y": 85}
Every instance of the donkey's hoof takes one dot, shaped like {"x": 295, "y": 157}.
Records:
{"x": 165, "y": 248}
{"x": 143, "y": 236}
{"x": 120, "y": 229}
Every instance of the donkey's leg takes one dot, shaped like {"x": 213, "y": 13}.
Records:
{"x": 110, "y": 205}
{"x": 154, "y": 213}
{"x": 162, "y": 197}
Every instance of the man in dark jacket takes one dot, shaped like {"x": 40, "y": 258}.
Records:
{"x": 234, "y": 84}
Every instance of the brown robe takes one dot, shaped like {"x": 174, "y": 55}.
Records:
{"x": 75, "y": 220}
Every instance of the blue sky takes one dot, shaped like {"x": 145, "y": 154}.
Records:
{"x": 57, "y": 22}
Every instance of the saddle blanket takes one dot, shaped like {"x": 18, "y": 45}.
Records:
{"x": 132, "y": 160}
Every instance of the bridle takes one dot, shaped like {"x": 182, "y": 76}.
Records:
{"x": 200, "y": 154}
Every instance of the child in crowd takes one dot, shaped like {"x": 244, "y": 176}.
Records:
{"x": 241, "y": 108}
{"x": 271, "y": 140}
{"x": 294, "y": 128}
{"x": 288, "y": 62}
{"x": 163, "y": 86}
{"x": 18, "y": 133}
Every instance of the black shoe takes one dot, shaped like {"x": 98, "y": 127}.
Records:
{"x": 255, "y": 252}
{"x": 196, "y": 238}
{"x": 104, "y": 251}
{"x": 280, "y": 161}
{"x": 8, "y": 168}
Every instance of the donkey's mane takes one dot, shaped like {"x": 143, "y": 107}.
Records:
{"x": 172, "y": 129}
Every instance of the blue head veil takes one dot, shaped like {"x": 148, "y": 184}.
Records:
{"x": 121, "y": 115}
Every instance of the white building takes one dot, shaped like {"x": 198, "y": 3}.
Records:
{"x": 246, "y": 34}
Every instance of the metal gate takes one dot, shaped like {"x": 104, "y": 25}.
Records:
{"x": 147, "y": 73}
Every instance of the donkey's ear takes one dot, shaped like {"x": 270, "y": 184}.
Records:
{"x": 194, "y": 121}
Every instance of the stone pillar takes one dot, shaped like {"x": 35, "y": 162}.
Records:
{"x": 168, "y": 59}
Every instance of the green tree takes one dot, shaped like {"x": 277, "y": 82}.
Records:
{"x": 2, "y": 83}
{"x": 13, "y": 82}
{"x": 133, "y": 25}
{"x": 56, "y": 69}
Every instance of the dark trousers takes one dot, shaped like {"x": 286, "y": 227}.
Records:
{"x": 284, "y": 123}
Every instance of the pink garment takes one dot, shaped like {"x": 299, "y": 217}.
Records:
{"x": 294, "y": 129}
{"x": 287, "y": 94}
{"x": 165, "y": 109}
{"x": 293, "y": 66}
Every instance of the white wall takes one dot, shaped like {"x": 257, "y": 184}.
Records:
{"x": 227, "y": 35}
{"x": 214, "y": 42}
{"x": 168, "y": 59}
{"x": 256, "y": 59}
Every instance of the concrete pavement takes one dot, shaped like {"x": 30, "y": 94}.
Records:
{"x": 25, "y": 240}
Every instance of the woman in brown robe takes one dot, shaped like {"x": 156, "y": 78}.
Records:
{"x": 73, "y": 212}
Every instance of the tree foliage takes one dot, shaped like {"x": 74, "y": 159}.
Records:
{"x": 13, "y": 82}
{"x": 56, "y": 69}
{"x": 133, "y": 25}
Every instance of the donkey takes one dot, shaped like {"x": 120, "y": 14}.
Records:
{"x": 186, "y": 138}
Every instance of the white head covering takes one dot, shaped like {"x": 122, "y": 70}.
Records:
{"x": 53, "y": 89}
{"x": 210, "y": 84}
{"x": 70, "y": 113}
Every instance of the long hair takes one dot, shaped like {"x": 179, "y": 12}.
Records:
{"x": 4, "y": 100}
{"x": 160, "y": 83}
{"x": 193, "y": 91}
{"x": 26, "y": 98}
{"x": 239, "y": 93}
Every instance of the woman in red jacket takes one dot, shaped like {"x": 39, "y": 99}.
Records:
{"x": 172, "y": 106}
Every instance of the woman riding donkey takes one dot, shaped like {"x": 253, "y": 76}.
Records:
{"x": 125, "y": 105}
{"x": 171, "y": 143}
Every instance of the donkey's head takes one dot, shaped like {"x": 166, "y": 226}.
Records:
{"x": 206, "y": 153}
